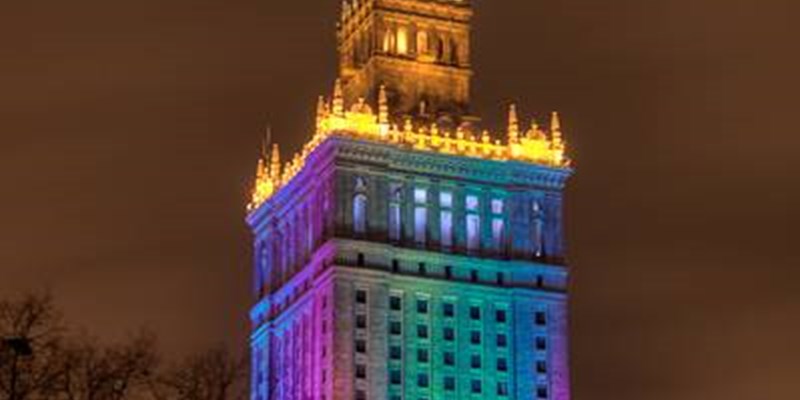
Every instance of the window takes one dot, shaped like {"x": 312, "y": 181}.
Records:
{"x": 395, "y": 352}
{"x": 502, "y": 364}
{"x": 361, "y": 321}
{"x": 501, "y": 279}
{"x": 449, "y": 334}
{"x": 502, "y": 388}
{"x": 541, "y": 318}
{"x": 422, "y": 306}
{"x": 422, "y": 331}
{"x": 422, "y": 42}
{"x": 449, "y": 383}
{"x": 402, "y": 40}
{"x": 361, "y": 296}
{"x": 395, "y": 266}
{"x": 541, "y": 367}
{"x": 475, "y": 361}
{"x": 475, "y": 386}
{"x": 541, "y": 392}
{"x": 360, "y": 214}
{"x": 395, "y": 328}
{"x": 475, "y": 337}
{"x": 473, "y": 275}
{"x": 473, "y": 223}
{"x": 395, "y": 377}
{"x": 422, "y": 355}
{"x": 395, "y": 221}
{"x": 475, "y": 313}
{"x": 500, "y": 316}
{"x": 361, "y": 395}
{"x": 422, "y": 269}
{"x": 538, "y": 229}
{"x": 498, "y": 224}
{"x": 448, "y": 309}
{"x": 395, "y": 303}
{"x": 422, "y": 380}
{"x": 448, "y": 272}
{"x": 361, "y": 371}
{"x": 361, "y": 346}
{"x": 502, "y": 340}
{"x": 541, "y": 343}
{"x": 449, "y": 358}
{"x": 420, "y": 216}
{"x": 446, "y": 219}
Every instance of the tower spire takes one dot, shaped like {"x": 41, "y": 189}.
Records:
{"x": 513, "y": 125}
{"x": 275, "y": 163}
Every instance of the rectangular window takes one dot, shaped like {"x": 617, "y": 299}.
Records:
{"x": 498, "y": 228}
{"x": 361, "y": 321}
{"x": 475, "y": 361}
{"x": 497, "y": 206}
{"x": 395, "y": 377}
{"x": 541, "y": 367}
{"x": 541, "y": 343}
{"x": 502, "y": 340}
{"x": 422, "y": 355}
{"x": 541, "y": 392}
{"x": 449, "y": 334}
{"x": 361, "y": 346}
{"x": 448, "y": 309}
{"x": 500, "y": 316}
{"x": 449, "y": 358}
{"x": 541, "y": 318}
{"x": 422, "y": 380}
{"x": 475, "y": 313}
{"x": 502, "y": 388}
{"x": 395, "y": 352}
{"x": 473, "y": 232}
{"x": 446, "y": 218}
{"x": 361, "y": 371}
{"x": 422, "y": 306}
{"x": 361, "y": 296}
{"x": 472, "y": 203}
{"x": 361, "y": 395}
{"x": 448, "y": 272}
{"x": 502, "y": 364}
{"x": 420, "y": 215}
{"x": 449, "y": 383}
{"x": 395, "y": 303}
{"x": 475, "y": 337}
{"x": 395, "y": 328}
{"x": 475, "y": 386}
{"x": 394, "y": 222}
{"x": 422, "y": 331}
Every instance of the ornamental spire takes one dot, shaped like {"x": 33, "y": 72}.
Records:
{"x": 275, "y": 163}
{"x": 513, "y": 125}
{"x": 383, "y": 106}
{"x": 320, "y": 113}
{"x": 338, "y": 99}
{"x": 555, "y": 128}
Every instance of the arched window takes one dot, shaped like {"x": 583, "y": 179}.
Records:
{"x": 395, "y": 220}
{"x": 360, "y": 207}
{"x": 538, "y": 229}
{"x": 473, "y": 223}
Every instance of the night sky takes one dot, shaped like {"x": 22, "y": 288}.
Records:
{"x": 129, "y": 133}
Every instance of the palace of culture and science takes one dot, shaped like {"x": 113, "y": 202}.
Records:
{"x": 403, "y": 253}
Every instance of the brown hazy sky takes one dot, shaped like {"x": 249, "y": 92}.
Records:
{"x": 129, "y": 132}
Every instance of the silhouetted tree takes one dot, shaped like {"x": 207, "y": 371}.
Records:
{"x": 213, "y": 375}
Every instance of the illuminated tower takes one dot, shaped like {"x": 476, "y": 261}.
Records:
{"x": 402, "y": 253}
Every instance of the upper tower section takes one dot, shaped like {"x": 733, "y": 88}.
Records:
{"x": 418, "y": 49}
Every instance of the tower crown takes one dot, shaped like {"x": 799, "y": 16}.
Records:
{"x": 418, "y": 49}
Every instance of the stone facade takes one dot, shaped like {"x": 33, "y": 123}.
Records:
{"x": 323, "y": 323}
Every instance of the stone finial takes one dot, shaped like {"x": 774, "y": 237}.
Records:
{"x": 383, "y": 106}
{"x": 338, "y": 99}
{"x": 513, "y": 125}
{"x": 275, "y": 163}
{"x": 555, "y": 128}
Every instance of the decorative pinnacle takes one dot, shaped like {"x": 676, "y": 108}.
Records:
{"x": 275, "y": 163}
{"x": 320, "y": 112}
{"x": 338, "y": 99}
{"x": 513, "y": 125}
{"x": 555, "y": 128}
{"x": 383, "y": 106}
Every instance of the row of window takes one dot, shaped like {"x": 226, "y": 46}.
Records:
{"x": 472, "y": 207}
